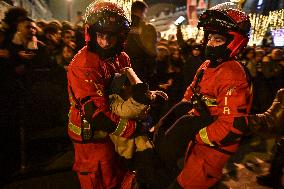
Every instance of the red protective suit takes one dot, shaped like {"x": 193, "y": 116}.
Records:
{"x": 227, "y": 94}
{"x": 95, "y": 162}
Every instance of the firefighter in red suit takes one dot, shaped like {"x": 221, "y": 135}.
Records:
{"x": 90, "y": 120}
{"x": 222, "y": 84}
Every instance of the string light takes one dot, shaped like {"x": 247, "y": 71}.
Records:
{"x": 261, "y": 23}
{"x": 276, "y": 19}
{"x": 170, "y": 32}
{"x": 259, "y": 26}
{"x": 189, "y": 31}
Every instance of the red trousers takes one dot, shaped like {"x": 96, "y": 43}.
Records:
{"x": 97, "y": 165}
{"x": 90, "y": 181}
{"x": 203, "y": 167}
{"x": 94, "y": 180}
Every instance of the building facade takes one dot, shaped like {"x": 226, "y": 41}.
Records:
{"x": 38, "y": 9}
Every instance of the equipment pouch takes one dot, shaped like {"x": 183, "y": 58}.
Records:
{"x": 86, "y": 130}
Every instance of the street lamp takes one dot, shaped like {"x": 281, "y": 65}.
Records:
{"x": 69, "y": 9}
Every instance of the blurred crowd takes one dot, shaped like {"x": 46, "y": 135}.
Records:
{"x": 179, "y": 60}
{"x": 265, "y": 66}
{"x": 34, "y": 56}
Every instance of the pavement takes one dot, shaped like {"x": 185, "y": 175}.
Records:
{"x": 55, "y": 173}
{"x": 245, "y": 178}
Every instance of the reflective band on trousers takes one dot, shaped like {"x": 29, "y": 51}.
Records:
{"x": 74, "y": 128}
{"x": 77, "y": 130}
{"x": 204, "y": 136}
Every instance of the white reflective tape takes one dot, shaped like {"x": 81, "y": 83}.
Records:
{"x": 226, "y": 110}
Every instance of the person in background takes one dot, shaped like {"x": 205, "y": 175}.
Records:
{"x": 173, "y": 78}
{"x": 80, "y": 37}
{"x": 163, "y": 63}
{"x": 141, "y": 43}
{"x": 79, "y": 19}
{"x": 29, "y": 54}
{"x": 193, "y": 60}
{"x": 248, "y": 59}
{"x": 185, "y": 46}
{"x": 263, "y": 96}
{"x": 11, "y": 92}
{"x": 52, "y": 38}
{"x": 274, "y": 70}
{"x": 5, "y": 65}
{"x": 40, "y": 29}
{"x": 193, "y": 56}
{"x": 11, "y": 20}
{"x": 68, "y": 36}
{"x": 66, "y": 25}
{"x": 68, "y": 51}
{"x": 259, "y": 53}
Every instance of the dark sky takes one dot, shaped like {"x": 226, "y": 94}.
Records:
{"x": 176, "y": 2}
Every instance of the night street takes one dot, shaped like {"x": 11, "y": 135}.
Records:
{"x": 56, "y": 172}
{"x": 142, "y": 94}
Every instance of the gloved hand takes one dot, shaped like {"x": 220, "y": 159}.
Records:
{"x": 271, "y": 119}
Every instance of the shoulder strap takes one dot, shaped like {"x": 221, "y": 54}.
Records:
{"x": 199, "y": 76}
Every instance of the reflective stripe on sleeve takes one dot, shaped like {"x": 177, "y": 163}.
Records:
{"x": 121, "y": 126}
